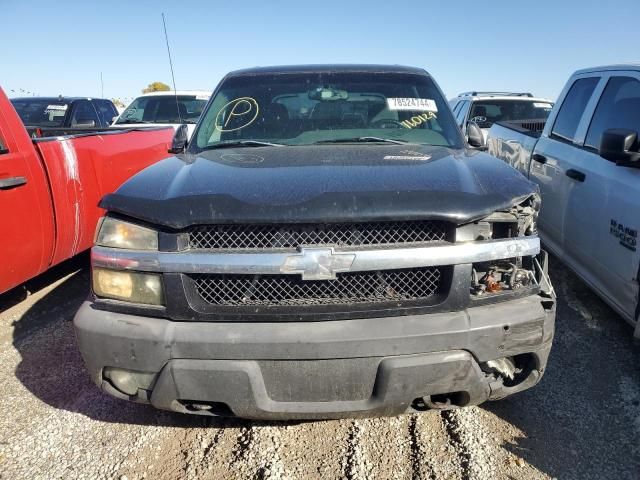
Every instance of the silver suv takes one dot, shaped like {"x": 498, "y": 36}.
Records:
{"x": 487, "y": 108}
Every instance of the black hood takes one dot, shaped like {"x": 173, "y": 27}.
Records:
{"x": 325, "y": 183}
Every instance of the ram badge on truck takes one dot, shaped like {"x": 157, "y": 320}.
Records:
{"x": 324, "y": 246}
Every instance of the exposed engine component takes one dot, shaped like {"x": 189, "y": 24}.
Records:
{"x": 493, "y": 278}
{"x": 490, "y": 283}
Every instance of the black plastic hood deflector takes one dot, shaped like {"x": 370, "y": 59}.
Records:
{"x": 319, "y": 184}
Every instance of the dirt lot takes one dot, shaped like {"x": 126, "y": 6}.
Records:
{"x": 582, "y": 421}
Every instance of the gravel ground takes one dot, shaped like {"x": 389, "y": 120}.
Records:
{"x": 581, "y": 422}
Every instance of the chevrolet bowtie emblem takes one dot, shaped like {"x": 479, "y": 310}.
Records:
{"x": 318, "y": 263}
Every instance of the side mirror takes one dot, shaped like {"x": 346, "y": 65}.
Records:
{"x": 475, "y": 138}
{"x": 180, "y": 138}
{"x": 621, "y": 146}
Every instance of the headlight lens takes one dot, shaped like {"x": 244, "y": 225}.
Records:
{"x": 119, "y": 234}
{"x": 132, "y": 287}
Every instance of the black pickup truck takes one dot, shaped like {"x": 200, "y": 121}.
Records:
{"x": 56, "y": 116}
{"x": 325, "y": 245}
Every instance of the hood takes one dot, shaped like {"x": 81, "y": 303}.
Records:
{"x": 324, "y": 183}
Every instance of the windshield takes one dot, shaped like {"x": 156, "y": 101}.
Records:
{"x": 41, "y": 113}
{"x": 486, "y": 112}
{"x": 163, "y": 109}
{"x": 310, "y": 108}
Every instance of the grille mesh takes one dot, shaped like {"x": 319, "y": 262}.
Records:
{"x": 348, "y": 288}
{"x": 232, "y": 237}
{"x": 534, "y": 126}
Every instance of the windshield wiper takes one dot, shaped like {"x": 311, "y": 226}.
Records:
{"x": 364, "y": 140}
{"x": 243, "y": 143}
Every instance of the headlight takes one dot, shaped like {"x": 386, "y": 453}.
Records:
{"x": 119, "y": 234}
{"x": 132, "y": 287}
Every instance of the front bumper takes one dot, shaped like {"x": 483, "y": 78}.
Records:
{"x": 332, "y": 369}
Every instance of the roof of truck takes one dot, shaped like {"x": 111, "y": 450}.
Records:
{"x": 178, "y": 92}
{"x": 608, "y": 68}
{"x": 329, "y": 68}
{"x": 58, "y": 99}
{"x": 500, "y": 96}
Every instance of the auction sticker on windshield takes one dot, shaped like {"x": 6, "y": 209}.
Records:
{"x": 56, "y": 110}
{"x": 414, "y": 104}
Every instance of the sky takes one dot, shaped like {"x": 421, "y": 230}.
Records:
{"x": 63, "y": 47}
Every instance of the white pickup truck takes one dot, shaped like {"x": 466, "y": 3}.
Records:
{"x": 585, "y": 159}
{"x": 170, "y": 108}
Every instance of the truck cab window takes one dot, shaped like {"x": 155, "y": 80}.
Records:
{"x": 572, "y": 108}
{"x": 41, "y": 112}
{"x": 84, "y": 115}
{"x": 619, "y": 107}
{"x": 106, "y": 110}
{"x": 167, "y": 108}
{"x": 3, "y": 146}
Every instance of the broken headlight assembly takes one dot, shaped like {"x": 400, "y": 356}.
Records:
{"x": 517, "y": 221}
{"x": 512, "y": 274}
{"x": 496, "y": 277}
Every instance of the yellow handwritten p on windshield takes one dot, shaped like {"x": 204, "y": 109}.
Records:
{"x": 238, "y": 113}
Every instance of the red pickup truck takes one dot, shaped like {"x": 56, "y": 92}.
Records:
{"x": 50, "y": 188}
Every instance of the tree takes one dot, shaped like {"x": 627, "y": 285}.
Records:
{"x": 118, "y": 103}
{"x": 156, "y": 87}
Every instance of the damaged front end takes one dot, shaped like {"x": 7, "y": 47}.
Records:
{"x": 508, "y": 275}
{"x": 506, "y": 279}
{"x": 264, "y": 320}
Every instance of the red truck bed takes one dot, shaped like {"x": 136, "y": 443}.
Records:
{"x": 50, "y": 189}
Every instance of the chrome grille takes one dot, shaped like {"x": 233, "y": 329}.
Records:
{"x": 291, "y": 290}
{"x": 268, "y": 236}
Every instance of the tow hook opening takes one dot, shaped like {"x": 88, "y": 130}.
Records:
{"x": 217, "y": 409}
{"x": 512, "y": 371}
{"x": 441, "y": 401}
